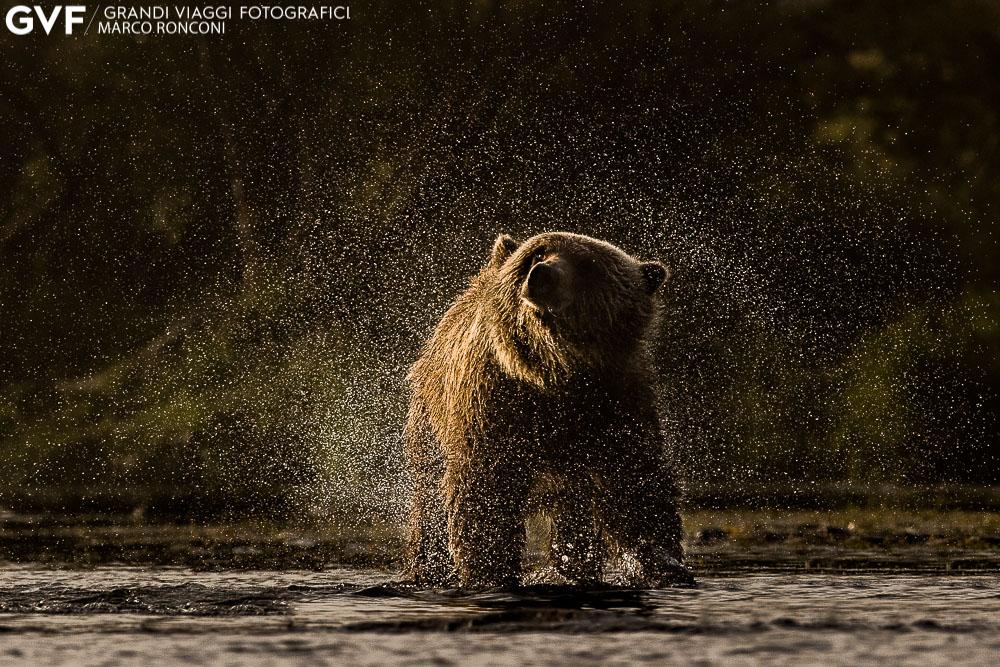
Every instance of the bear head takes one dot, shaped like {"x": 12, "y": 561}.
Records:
{"x": 565, "y": 304}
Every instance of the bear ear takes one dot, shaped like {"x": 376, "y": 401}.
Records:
{"x": 503, "y": 248}
{"x": 654, "y": 274}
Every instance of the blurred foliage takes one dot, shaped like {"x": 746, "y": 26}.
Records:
{"x": 220, "y": 254}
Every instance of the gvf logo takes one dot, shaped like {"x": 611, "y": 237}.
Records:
{"x": 21, "y": 22}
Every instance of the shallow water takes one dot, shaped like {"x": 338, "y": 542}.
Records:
{"x": 156, "y": 615}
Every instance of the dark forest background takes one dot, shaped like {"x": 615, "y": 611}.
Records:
{"x": 219, "y": 255}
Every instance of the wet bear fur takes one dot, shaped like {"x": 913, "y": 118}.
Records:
{"x": 538, "y": 377}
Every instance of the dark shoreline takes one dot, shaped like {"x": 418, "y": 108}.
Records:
{"x": 718, "y": 542}
{"x": 177, "y": 504}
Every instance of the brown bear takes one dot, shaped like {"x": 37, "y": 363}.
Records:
{"x": 538, "y": 377}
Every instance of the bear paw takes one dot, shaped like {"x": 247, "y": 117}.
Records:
{"x": 670, "y": 573}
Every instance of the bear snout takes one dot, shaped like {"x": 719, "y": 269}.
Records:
{"x": 542, "y": 276}
{"x": 544, "y": 286}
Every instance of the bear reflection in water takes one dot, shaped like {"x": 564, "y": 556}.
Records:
{"x": 535, "y": 391}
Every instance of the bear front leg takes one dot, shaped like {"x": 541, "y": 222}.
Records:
{"x": 486, "y": 526}
{"x": 640, "y": 513}
{"x": 428, "y": 559}
{"x": 577, "y": 547}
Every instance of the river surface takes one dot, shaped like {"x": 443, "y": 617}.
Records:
{"x": 125, "y": 615}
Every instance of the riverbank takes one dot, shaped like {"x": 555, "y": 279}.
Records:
{"x": 717, "y": 540}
